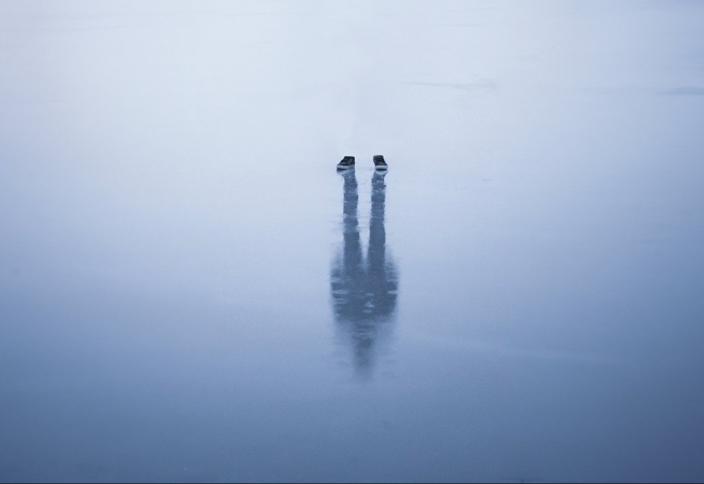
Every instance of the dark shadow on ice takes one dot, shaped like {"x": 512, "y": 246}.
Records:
{"x": 364, "y": 292}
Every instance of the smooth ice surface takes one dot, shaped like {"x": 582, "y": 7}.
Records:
{"x": 190, "y": 292}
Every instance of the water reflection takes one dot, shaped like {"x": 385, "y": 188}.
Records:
{"x": 364, "y": 292}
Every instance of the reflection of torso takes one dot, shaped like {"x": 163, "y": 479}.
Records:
{"x": 364, "y": 295}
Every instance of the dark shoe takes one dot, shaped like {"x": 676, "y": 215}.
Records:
{"x": 346, "y": 164}
{"x": 380, "y": 163}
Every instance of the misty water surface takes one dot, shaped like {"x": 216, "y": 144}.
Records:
{"x": 190, "y": 292}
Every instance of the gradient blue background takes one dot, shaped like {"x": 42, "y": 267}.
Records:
{"x": 170, "y": 215}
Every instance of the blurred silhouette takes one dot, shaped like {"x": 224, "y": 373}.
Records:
{"x": 364, "y": 292}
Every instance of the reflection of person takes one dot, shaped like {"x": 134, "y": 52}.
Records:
{"x": 364, "y": 293}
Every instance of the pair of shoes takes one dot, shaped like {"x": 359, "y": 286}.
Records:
{"x": 348, "y": 162}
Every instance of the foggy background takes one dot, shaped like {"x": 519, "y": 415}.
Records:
{"x": 170, "y": 216}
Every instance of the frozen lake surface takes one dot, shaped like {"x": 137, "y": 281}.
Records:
{"x": 190, "y": 292}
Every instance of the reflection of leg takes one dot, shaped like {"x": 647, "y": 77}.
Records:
{"x": 377, "y": 228}
{"x": 347, "y": 272}
{"x": 353, "y": 245}
{"x": 382, "y": 280}
{"x": 349, "y": 283}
